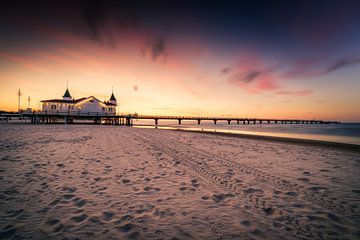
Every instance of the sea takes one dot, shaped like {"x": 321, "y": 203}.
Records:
{"x": 345, "y": 133}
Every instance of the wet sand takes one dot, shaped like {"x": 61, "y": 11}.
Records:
{"x": 110, "y": 182}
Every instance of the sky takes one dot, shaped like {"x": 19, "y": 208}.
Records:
{"x": 278, "y": 59}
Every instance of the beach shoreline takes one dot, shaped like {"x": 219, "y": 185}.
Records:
{"x": 329, "y": 144}
{"x": 253, "y": 135}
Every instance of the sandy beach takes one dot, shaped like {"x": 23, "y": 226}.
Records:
{"x": 111, "y": 182}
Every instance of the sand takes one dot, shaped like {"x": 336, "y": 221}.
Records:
{"x": 111, "y": 182}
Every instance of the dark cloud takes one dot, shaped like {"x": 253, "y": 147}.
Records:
{"x": 315, "y": 67}
{"x": 157, "y": 48}
{"x": 154, "y": 48}
{"x": 225, "y": 70}
{"x": 93, "y": 16}
{"x": 246, "y": 77}
{"x": 342, "y": 63}
{"x": 102, "y": 19}
{"x": 250, "y": 76}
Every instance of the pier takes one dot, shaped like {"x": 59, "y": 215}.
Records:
{"x": 68, "y": 117}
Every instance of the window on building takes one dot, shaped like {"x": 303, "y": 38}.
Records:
{"x": 103, "y": 109}
{"x": 53, "y": 107}
{"x": 92, "y": 100}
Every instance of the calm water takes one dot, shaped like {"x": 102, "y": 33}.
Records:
{"x": 340, "y": 133}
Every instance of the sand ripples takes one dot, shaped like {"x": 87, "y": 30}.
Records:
{"x": 102, "y": 182}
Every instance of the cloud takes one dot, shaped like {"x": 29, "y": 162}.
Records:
{"x": 254, "y": 80}
{"x": 225, "y": 70}
{"x": 154, "y": 47}
{"x": 157, "y": 48}
{"x": 246, "y": 77}
{"x": 296, "y": 93}
{"x": 307, "y": 67}
{"x": 255, "y": 77}
{"x": 341, "y": 64}
{"x": 317, "y": 66}
{"x": 93, "y": 17}
{"x": 250, "y": 76}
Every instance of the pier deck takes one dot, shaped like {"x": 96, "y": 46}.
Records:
{"x": 127, "y": 119}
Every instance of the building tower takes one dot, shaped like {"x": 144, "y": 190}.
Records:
{"x": 113, "y": 99}
{"x": 67, "y": 95}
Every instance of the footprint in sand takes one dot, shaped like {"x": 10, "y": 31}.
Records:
{"x": 80, "y": 202}
{"x": 246, "y": 223}
{"x": 68, "y": 196}
{"x": 304, "y": 179}
{"x": 268, "y": 211}
{"x": 125, "y": 180}
{"x": 183, "y": 189}
{"x": 293, "y": 194}
{"x": 252, "y": 190}
{"x": 221, "y": 197}
{"x": 151, "y": 190}
{"x": 195, "y": 183}
{"x": 317, "y": 189}
{"x": 108, "y": 215}
{"x": 127, "y": 227}
{"x": 52, "y": 226}
{"x": 69, "y": 189}
{"x": 205, "y": 197}
{"x": 79, "y": 218}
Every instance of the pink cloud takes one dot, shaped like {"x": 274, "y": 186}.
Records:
{"x": 252, "y": 75}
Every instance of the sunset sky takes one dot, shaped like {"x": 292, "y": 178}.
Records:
{"x": 293, "y": 59}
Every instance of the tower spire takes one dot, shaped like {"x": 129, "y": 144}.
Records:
{"x": 67, "y": 95}
{"x": 112, "y": 97}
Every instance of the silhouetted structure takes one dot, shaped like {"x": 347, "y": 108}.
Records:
{"x": 127, "y": 119}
